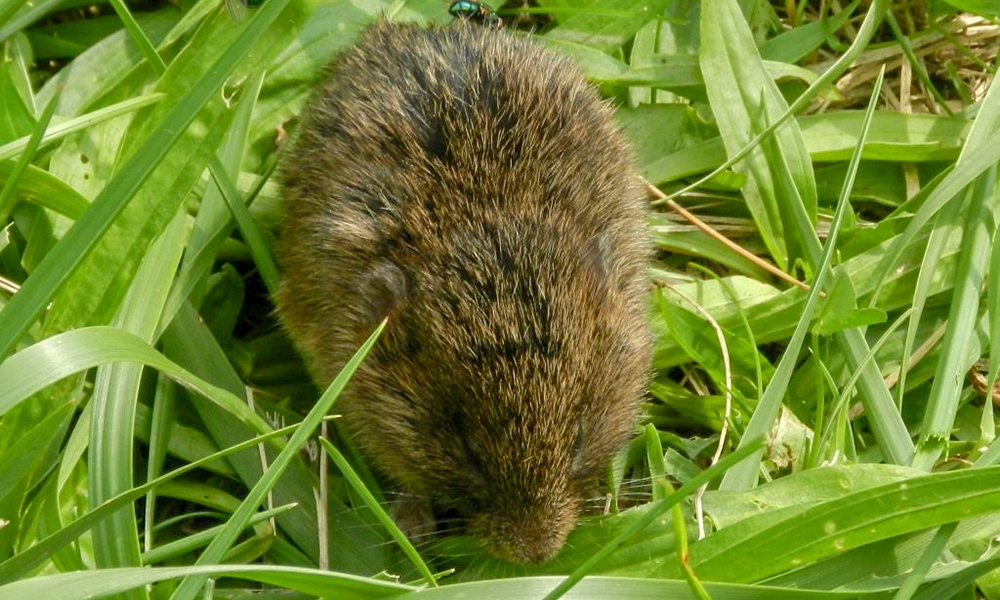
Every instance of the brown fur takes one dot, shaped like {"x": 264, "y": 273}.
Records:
{"x": 475, "y": 189}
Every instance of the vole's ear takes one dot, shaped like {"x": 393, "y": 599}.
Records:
{"x": 608, "y": 259}
{"x": 382, "y": 290}
{"x": 597, "y": 260}
{"x": 385, "y": 290}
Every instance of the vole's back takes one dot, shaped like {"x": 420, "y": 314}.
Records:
{"x": 473, "y": 188}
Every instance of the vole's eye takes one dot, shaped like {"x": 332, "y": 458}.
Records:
{"x": 473, "y": 462}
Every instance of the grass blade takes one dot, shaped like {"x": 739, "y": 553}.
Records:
{"x": 36, "y": 367}
{"x": 7, "y": 192}
{"x": 214, "y": 552}
{"x": 105, "y": 582}
{"x": 359, "y": 486}
{"x": 979, "y": 154}
{"x": 116, "y": 393}
{"x": 744, "y": 476}
{"x": 780, "y": 189}
{"x": 61, "y": 130}
{"x": 766, "y": 545}
{"x": 963, "y": 319}
{"x": 663, "y": 506}
{"x": 29, "y": 303}
{"x": 30, "y": 558}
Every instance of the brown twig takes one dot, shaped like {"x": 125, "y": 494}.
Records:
{"x": 707, "y": 229}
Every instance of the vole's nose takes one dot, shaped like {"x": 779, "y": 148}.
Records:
{"x": 531, "y": 538}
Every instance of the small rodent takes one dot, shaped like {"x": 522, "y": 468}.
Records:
{"x": 472, "y": 187}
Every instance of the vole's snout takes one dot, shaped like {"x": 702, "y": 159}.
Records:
{"x": 531, "y": 538}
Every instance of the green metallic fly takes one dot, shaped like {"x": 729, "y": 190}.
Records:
{"x": 476, "y": 11}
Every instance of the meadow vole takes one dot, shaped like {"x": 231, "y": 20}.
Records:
{"x": 474, "y": 188}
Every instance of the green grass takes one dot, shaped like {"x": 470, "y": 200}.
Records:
{"x": 144, "y": 373}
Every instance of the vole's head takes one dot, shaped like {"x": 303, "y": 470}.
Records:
{"x": 510, "y": 416}
{"x": 534, "y": 449}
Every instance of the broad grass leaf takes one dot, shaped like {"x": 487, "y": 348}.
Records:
{"x": 603, "y": 24}
{"x": 678, "y": 409}
{"x": 131, "y": 237}
{"x": 55, "y": 358}
{"x": 17, "y": 14}
{"x": 625, "y": 588}
{"x": 670, "y": 36}
{"x": 879, "y": 183}
{"x": 67, "y": 127}
{"x": 104, "y": 582}
{"x": 7, "y": 195}
{"x": 95, "y": 584}
{"x": 676, "y": 73}
{"x": 989, "y": 584}
{"x": 25, "y": 463}
{"x": 700, "y": 341}
{"x": 886, "y": 564}
{"x": 188, "y": 341}
{"x": 780, "y": 191}
{"x": 17, "y": 109}
{"x": 770, "y": 544}
{"x": 893, "y": 136}
{"x": 185, "y": 443}
{"x": 68, "y": 39}
{"x": 766, "y": 308}
{"x": 116, "y": 394}
{"x": 594, "y": 64}
{"x": 989, "y": 8}
{"x": 840, "y": 308}
{"x": 980, "y": 152}
{"x": 681, "y": 74}
{"x": 42, "y": 188}
{"x": 833, "y": 137}
{"x": 698, "y": 245}
{"x": 690, "y": 160}
{"x": 655, "y": 130}
{"x": 809, "y": 487}
{"x": 803, "y": 491}
{"x": 955, "y": 360}
{"x": 793, "y": 44}
{"x": 86, "y": 160}
{"x": 260, "y": 490}
{"x": 960, "y": 582}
